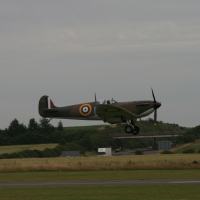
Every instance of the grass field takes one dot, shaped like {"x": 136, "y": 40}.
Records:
{"x": 171, "y": 167}
{"x": 18, "y": 148}
{"x": 150, "y": 192}
{"x": 100, "y": 175}
{"x": 101, "y": 192}
{"x": 160, "y": 161}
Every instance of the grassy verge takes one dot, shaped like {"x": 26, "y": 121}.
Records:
{"x": 164, "y": 161}
{"x": 195, "y": 145}
{"x": 18, "y": 148}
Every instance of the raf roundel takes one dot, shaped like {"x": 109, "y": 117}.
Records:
{"x": 85, "y": 109}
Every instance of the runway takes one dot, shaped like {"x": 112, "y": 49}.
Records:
{"x": 96, "y": 183}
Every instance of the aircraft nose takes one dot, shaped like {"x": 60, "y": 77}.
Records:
{"x": 156, "y": 105}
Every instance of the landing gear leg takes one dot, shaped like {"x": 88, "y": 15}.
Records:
{"x": 131, "y": 128}
{"x": 128, "y": 129}
{"x": 136, "y": 130}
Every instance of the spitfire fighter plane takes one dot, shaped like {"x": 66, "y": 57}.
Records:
{"x": 109, "y": 111}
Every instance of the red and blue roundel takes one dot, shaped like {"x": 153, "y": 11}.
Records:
{"x": 85, "y": 109}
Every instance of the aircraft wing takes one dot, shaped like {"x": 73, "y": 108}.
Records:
{"x": 107, "y": 112}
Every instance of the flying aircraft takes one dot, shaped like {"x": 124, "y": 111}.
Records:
{"x": 109, "y": 111}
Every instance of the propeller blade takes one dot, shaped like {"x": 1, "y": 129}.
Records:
{"x": 95, "y": 97}
{"x": 153, "y": 95}
{"x": 156, "y": 105}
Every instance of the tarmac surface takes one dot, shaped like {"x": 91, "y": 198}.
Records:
{"x": 88, "y": 183}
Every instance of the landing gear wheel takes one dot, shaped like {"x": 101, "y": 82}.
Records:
{"x": 128, "y": 129}
{"x": 136, "y": 130}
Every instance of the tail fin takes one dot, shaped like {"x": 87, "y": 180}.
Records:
{"x": 45, "y": 106}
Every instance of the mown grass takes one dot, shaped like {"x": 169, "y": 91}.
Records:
{"x": 101, "y": 175}
{"x": 163, "y": 167}
{"x": 163, "y": 161}
{"x": 18, "y": 148}
{"x": 125, "y": 192}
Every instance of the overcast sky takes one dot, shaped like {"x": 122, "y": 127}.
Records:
{"x": 69, "y": 50}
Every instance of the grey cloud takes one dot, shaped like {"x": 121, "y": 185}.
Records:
{"x": 71, "y": 49}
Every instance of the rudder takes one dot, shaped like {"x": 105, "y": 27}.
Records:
{"x": 45, "y": 103}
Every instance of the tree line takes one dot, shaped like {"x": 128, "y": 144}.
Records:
{"x": 83, "y": 140}
{"x": 34, "y": 133}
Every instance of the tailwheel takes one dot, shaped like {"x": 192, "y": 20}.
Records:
{"x": 136, "y": 130}
{"x": 128, "y": 129}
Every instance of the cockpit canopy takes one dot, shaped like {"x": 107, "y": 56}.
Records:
{"x": 106, "y": 102}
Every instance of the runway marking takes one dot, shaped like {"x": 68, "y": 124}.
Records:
{"x": 83, "y": 183}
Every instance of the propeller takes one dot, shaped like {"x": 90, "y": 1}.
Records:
{"x": 156, "y": 105}
{"x": 95, "y": 97}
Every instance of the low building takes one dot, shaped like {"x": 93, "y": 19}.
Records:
{"x": 164, "y": 145}
{"x": 70, "y": 153}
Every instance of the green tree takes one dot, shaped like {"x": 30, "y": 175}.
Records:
{"x": 33, "y": 125}
{"x": 15, "y": 128}
{"x": 101, "y": 140}
{"x": 60, "y": 126}
{"x": 45, "y": 126}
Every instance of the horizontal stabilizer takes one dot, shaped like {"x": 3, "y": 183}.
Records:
{"x": 49, "y": 110}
